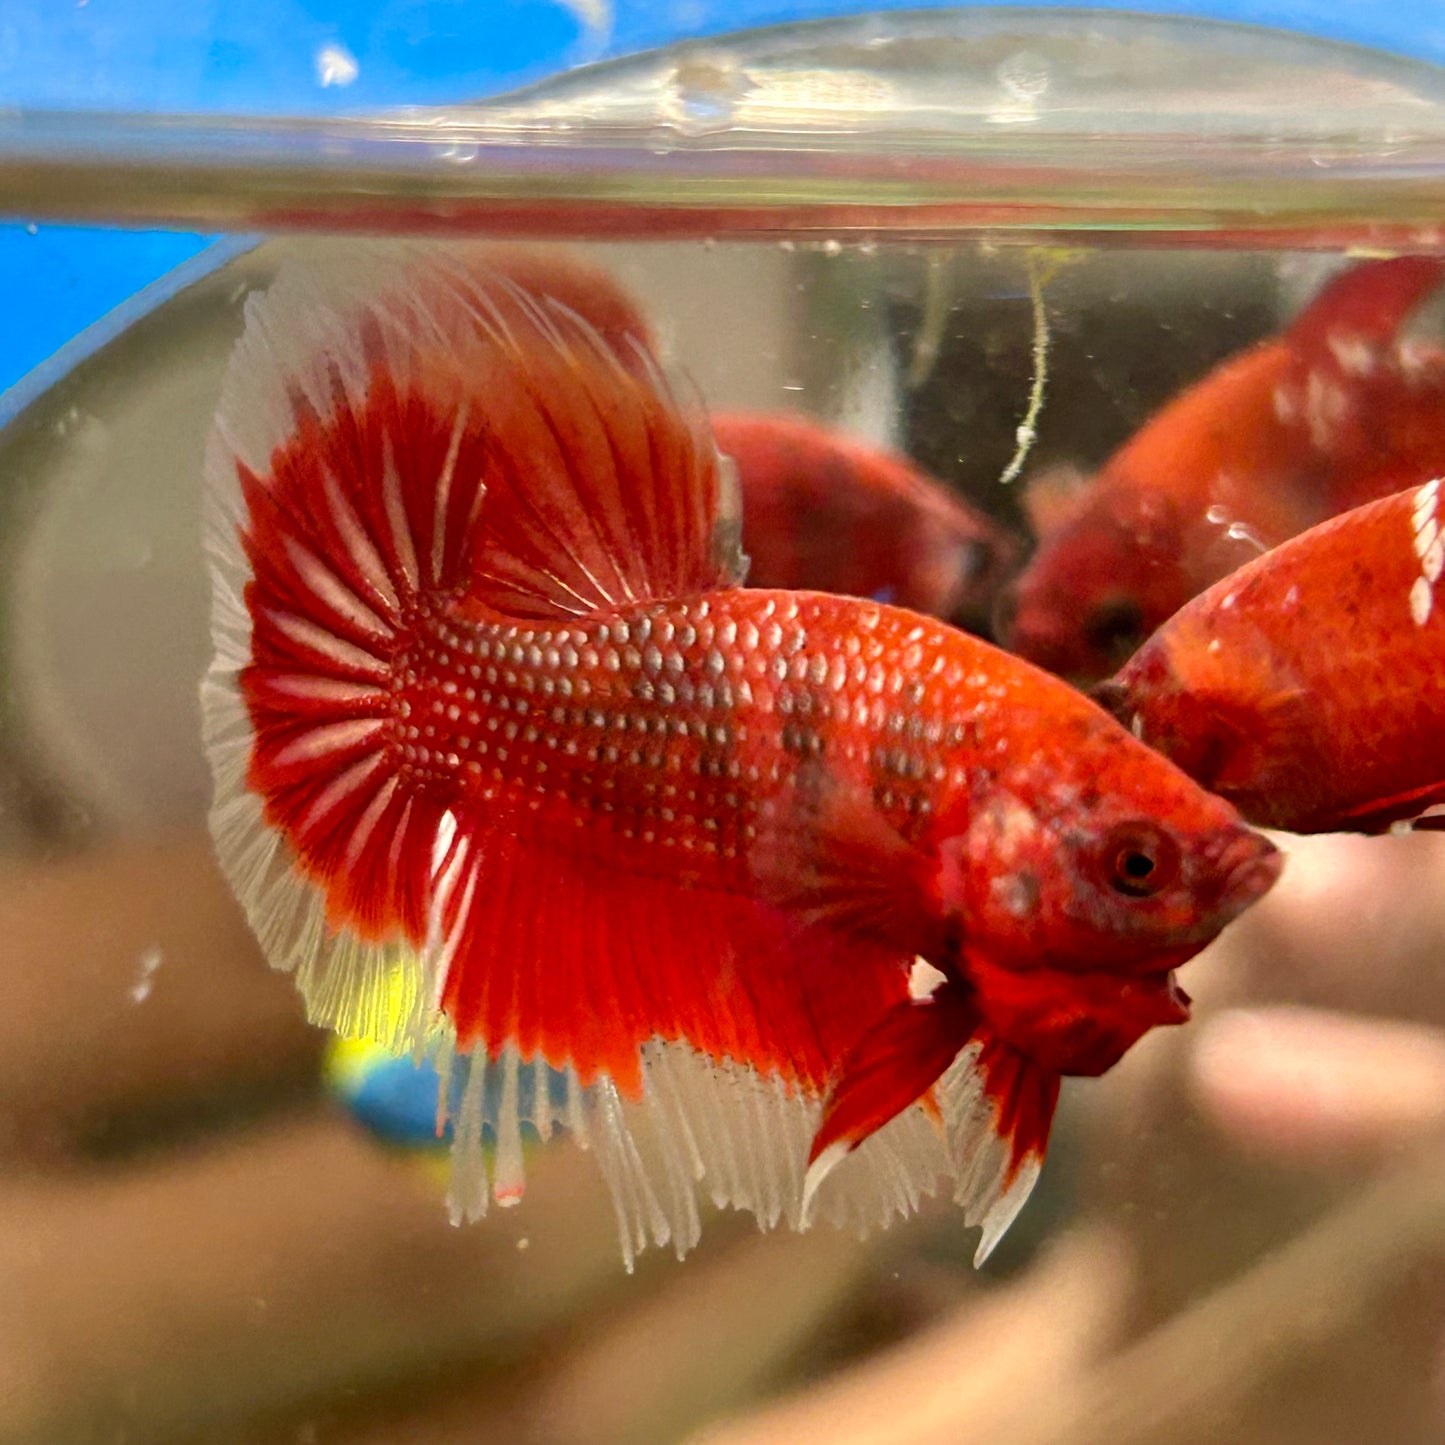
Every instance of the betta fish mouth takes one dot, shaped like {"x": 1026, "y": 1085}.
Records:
{"x": 1249, "y": 865}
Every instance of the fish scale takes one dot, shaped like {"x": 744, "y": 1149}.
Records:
{"x": 676, "y": 722}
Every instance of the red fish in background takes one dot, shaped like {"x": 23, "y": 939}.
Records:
{"x": 1272, "y": 441}
{"x": 1309, "y": 687}
{"x": 508, "y": 769}
{"x": 828, "y": 513}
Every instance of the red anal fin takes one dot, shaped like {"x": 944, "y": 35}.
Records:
{"x": 937, "y": 1048}
{"x": 573, "y": 955}
{"x": 1379, "y": 814}
{"x": 892, "y": 1066}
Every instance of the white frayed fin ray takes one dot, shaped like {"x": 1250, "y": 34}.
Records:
{"x": 818, "y": 1171}
{"x": 1005, "y": 1208}
{"x": 381, "y": 992}
{"x": 722, "y": 1133}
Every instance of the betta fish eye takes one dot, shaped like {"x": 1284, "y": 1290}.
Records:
{"x": 1139, "y": 860}
{"x": 1115, "y": 628}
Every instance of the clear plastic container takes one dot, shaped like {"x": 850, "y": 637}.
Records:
{"x": 997, "y": 241}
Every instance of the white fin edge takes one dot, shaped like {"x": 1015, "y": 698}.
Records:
{"x": 719, "y": 1132}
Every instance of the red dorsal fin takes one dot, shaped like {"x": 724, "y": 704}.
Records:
{"x": 504, "y": 442}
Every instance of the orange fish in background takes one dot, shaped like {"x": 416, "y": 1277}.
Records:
{"x": 829, "y": 513}
{"x": 1272, "y": 441}
{"x": 1309, "y": 687}
{"x": 510, "y": 770}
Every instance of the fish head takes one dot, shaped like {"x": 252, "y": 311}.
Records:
{"x": 827, "y": 512}
{"x": 1214, "y": 695}
{"x": 1099, "y": 855}
{"x": 1099, "y": 585}
{"x": 1140, "y": 887}
{"x": 961, "y": 565}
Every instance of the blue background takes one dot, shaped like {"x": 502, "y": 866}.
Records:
{"x": 260, "y": 56}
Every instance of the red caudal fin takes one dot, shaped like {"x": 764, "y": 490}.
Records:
{"x": 371, "y": 407}
{"x": 434, "y": 489}
{"x": 995, "y": 1108}
{"x": 567, "y": 280}
{"x": 377, "y": 397}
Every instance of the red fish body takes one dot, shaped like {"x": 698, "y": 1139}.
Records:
{"x": 497, "y": 734}
{"x": 1309, "y": 687}
{"x": 825, "y": 512}
{"x": 1273, "y": 441}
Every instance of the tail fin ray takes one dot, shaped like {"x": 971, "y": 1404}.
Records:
{"x": 399, "y": 424}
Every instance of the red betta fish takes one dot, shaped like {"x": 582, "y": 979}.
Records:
{"x": 835, "y": 515}
{"x": 1309, "y": 687}
{"x": 1275, "y": 439}
{"x": 510, "y": 770}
